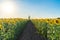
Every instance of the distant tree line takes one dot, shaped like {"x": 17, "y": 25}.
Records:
{"x": 58, "y": 18}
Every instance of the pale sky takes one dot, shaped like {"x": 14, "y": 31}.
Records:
{"x": 34, "y": 8}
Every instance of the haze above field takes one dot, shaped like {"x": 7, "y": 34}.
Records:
{"x": 34, "y": 8}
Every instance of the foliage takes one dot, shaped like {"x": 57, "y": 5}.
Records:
{"x": 49, "y": 28}
{"x": 10, "y": 28}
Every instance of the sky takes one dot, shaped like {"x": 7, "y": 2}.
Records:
{"x": 33, "y": 8}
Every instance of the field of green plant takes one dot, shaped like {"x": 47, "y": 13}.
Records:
{"x": 11, "y": 28}
{"x": 49, "y": 28}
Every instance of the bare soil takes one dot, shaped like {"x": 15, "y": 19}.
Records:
{"x": 30, "y": 33}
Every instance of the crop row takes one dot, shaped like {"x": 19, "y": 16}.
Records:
{"x": 49, "y": 28}
{"x": 11, "y": 28}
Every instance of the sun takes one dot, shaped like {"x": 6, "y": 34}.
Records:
{"x": 7, "y": 7}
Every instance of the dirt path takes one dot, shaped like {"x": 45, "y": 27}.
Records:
{"x": 30, "y": 33}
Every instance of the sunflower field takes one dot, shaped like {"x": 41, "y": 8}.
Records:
{"x": 49, "y": 28}
{"x": 10, "y": 28}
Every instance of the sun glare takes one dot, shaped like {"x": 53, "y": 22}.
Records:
{"x": 8, "y": 8}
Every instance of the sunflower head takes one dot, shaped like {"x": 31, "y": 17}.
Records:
{"x": 0, "y": 27}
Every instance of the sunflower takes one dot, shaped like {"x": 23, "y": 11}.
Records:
{"x": 51, "y": 22}
{"x": 41, "y": 20}
{"x": 0, "y": 27}
{"x": 57, "y": 21}
{"x": 47, "y": 20}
